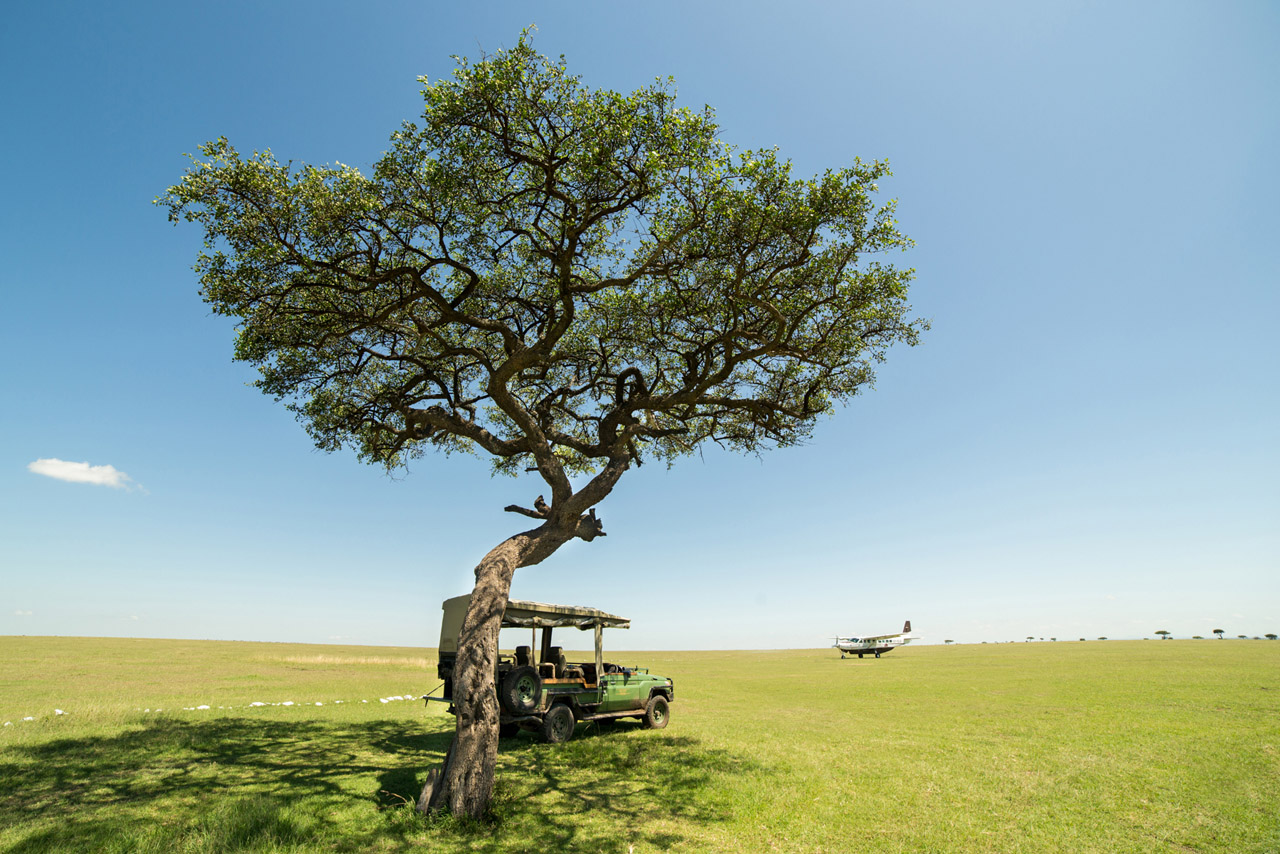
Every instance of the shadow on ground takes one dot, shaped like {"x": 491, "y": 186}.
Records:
{"x": 241, "y": 784}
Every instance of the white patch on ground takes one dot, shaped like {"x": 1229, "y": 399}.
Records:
{"x": 254, "y": 704}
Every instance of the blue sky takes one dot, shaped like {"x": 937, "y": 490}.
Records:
{"x": 1085, "y": 444}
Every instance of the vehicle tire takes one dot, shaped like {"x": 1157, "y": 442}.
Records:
{"x": 557, "y": 725}
{"x": 508, "y": 730}
{"x": 521, "y": 690}
{"x": 656, "y": 713}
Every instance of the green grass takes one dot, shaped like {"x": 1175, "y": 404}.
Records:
{"x": 1155, "y": 746}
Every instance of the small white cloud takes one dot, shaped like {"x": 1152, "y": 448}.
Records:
{"x": 81, "y": 473}
{"x": 22, "y": 613}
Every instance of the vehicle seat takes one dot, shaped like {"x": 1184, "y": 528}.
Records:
{"x": 523, "y": 656}
{"x": 555, "y": 657}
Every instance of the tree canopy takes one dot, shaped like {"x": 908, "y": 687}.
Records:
{"x": 560, "y": 277}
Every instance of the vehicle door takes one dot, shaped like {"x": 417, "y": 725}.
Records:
{"x": 621, "y": 692}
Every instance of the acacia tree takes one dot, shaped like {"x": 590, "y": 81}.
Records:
{"x": 571, "y": 281}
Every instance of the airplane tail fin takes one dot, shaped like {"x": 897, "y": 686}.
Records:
{"x": 906, "y": 629}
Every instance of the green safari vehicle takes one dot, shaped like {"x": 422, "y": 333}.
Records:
{"x": 547, "y": 693}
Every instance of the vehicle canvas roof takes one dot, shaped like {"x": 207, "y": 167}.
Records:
{"x": 524, "y": 614}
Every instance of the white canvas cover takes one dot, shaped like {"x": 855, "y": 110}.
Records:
{"x": 524, "y": 614}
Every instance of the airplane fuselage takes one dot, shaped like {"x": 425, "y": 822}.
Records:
{"x": 875, "y": 645}
{"x": 859, "y": 647}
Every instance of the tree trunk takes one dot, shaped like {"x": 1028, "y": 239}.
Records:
{"x": 465, "y": 784}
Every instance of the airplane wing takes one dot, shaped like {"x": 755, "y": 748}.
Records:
{"x": 905, "y": 633}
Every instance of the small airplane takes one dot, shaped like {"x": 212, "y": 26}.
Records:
{"x": 875, "y": 644}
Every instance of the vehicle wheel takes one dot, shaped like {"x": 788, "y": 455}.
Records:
{"x": 557, "y": 725}
{"x": 508, "y": 730}
{"x": 657, "y": 713}
{"x": 521, "y": 690}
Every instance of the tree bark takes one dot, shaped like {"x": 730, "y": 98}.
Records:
{"x": 464, "y": 785}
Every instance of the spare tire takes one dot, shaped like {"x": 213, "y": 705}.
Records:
{"x": 521, "y": 690}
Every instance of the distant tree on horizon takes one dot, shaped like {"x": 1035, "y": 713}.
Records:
{"x": 1243, "y": 637}
{"x": 1164, "y": 635}
{"x": 1197, "y": 637}
{"x": 1101, "y": 638}
{"x": 948, "y": 641}
{"x": 1218, "y": 632}
{"x": 1271, "y": 636}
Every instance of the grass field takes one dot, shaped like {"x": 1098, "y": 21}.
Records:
{"x": 1137, "y": 746}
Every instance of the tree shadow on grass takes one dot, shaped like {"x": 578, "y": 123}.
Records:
{"x": 243, "y": 784}
{"x": 89, "y": 793}
{"x": 610, "y": 788}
